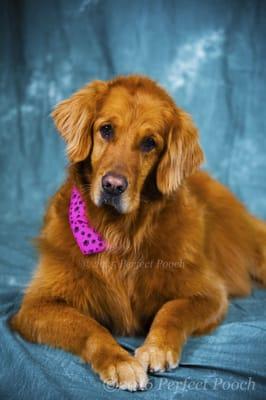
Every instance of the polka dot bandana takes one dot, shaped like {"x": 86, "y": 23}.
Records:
{"x": 88, "y": 240}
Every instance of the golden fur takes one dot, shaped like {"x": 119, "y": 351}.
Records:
{"x": 180, "y": 246}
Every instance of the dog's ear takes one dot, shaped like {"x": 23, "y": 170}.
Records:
{"x": 182, "y": 155}
{"x": 74, "y": 118}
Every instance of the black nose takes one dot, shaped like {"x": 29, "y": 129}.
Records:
{"x": 114, "y": 184}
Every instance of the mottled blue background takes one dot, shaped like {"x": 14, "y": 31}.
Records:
{"x": 211, "y": 56}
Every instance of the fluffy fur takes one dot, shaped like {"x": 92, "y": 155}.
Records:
{"x": 180, "y": 243}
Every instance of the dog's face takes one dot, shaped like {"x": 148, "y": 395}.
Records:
{"x": 127, "y": 129}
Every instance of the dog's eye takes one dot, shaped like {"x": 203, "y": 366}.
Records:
{"x": 106, "y": 131}
{"x": 147, "y": 144}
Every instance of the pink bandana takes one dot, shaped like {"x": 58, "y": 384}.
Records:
{"x": 88, "y": 240}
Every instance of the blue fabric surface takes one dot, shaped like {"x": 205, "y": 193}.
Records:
{"x": 210, "y": 55}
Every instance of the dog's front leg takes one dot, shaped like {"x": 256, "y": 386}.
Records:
{"x": 60, "y": 325}
{"x": 174, "y": 322}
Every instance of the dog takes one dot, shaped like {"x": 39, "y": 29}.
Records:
{"x": 171, "y": 244}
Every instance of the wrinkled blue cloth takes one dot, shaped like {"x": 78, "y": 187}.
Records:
{"x": 210, "y": 55}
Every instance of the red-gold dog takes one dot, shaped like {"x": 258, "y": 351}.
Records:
{"x": 134, "y": 157}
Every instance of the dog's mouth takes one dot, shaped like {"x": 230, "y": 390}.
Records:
{"x": 109, "y": 201}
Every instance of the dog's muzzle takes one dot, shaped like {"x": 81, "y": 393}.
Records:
{"x": 113, "y": 186}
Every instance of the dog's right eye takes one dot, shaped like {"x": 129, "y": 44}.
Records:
{"x": 107, "y": 131}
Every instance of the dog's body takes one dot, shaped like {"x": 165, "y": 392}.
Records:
{"x": 180, "y": 244}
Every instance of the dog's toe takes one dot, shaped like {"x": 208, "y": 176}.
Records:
{"x": 157, "y": 359}
{"x": 127, "y": 374}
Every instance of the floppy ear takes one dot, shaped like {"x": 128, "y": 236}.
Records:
{"x": 74, "y": 118}
{"x": 183, "y": 154}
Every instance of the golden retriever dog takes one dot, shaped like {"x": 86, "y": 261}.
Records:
{"x": 176, "y": 243}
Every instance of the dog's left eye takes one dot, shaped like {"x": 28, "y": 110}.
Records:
{"x": 147, "y": 144}
{"x": 106, "y": 131}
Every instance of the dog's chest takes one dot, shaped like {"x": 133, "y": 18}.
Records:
{"x": 125, "y": 298}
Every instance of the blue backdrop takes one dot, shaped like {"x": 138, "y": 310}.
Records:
{"x": 211, "y": 56}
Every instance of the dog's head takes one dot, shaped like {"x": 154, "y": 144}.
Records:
{"x": 125, "y": 131}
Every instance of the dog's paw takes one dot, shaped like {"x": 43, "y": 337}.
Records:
{"x": 124, "y": 372}
{"x": 156, "y": 358}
